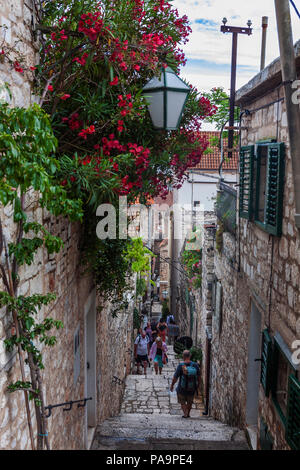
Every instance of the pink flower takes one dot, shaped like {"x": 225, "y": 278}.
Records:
{"x": 18, "y": 67}
{"x": 114, "y": 82}
{"x": 65, "y": 97}
{"x": 50, "y": 88}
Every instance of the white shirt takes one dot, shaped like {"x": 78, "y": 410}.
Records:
{"x": 142, "y": 345}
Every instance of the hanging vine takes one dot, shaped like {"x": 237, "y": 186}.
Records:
{"x": 27, "y": 163}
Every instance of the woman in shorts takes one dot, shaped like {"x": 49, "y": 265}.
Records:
{"x": 158, "y": 354}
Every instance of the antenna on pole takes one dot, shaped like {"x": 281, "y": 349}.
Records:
{"x": 235, "y": 32}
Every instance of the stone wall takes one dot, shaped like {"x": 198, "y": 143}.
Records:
{"x": 16, "y": 17}
{"x": 229, "y": 340}
{"x": 65, "y": 378}
{"x": 205, "y": 302}
{"x": 257, "y": 269}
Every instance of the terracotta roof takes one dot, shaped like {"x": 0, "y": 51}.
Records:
{"x": 211, "y": 161}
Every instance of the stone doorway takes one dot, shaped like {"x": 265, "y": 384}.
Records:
{"x": 253, "y": 375}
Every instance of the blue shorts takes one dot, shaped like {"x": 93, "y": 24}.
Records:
{"x": 159, "y": 361}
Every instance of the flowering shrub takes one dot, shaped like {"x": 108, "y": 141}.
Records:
{"x": 95, "y": 59}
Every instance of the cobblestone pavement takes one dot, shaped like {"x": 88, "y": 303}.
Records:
{"x": 150, "y": 394}
{"x": 151, "y": 419}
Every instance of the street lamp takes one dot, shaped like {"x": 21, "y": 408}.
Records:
{"x": 166, "y": 96}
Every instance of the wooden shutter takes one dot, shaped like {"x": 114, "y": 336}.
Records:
{"x": 266, "y": 362}
{"x": 246, "y": 181}
{"x": 293, "y": 414}
{"x": 274, "y": 190}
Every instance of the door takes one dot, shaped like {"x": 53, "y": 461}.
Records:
{"x": 253, "y": 378}
{"x": 90, "y": 367}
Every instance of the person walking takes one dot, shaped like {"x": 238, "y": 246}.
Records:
{"x": 148, "y": 331}
{"x": 169, "y": 318}
{"x": 162, "y": 329}
{"x": 141, "y": 350}
{"x": 173, "y": 332}
{"x": 158, "y": 354}
{"x": 188, "y": 373}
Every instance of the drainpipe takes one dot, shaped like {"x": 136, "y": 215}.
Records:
{"x": 264, "y": 26}
{"x": 289, "y": 75}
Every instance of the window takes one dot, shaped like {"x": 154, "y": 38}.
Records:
{"x": 246, "y": 181}
{"x": 279, "y": 374}
{"x": 283, "y": 370}
{"x": 261, "y": 185}
{"x": 266, "y": 362}
{"x": 293, "y": 414}
{"x": 269, "y": 187}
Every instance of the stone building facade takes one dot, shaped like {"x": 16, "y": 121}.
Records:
{"x": 254, "y": 373}
{"x": 93, "y": 349}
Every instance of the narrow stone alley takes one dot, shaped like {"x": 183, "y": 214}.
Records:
{"x": 151, "y": 419}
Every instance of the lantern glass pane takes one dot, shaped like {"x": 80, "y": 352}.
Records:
{"x": 155, "y": 83}
{"x": 175, "y": 103}
{"x": 156, "y": 107}
{"x": 172, "y": 81}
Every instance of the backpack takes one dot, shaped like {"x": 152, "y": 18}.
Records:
{"x": 140, "y": 337}
{"x": 188, "y": 382}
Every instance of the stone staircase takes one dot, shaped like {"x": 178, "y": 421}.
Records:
{"x": 151, "y": 419}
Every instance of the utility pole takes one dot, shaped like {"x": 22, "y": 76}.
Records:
{"x": 235, "y": 32}
{"x": 289, "y": 76}
{"x": 264, "y": 26}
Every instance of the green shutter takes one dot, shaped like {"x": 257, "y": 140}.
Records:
{"x": 246, "y": 181}
{"x": 293, "y": 414}
{"x": 274, "y": 189}
{"x": 266, "y": 362}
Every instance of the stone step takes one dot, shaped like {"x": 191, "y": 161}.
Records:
{"x": 151, "y": 419}
{"x": 139, "y": 431}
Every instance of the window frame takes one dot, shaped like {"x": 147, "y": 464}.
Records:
{"x": 279, "y": 347}
{"x": 294, "y": 388}
{"x": 250, "y": 180}
{"x": 280, "y": 147}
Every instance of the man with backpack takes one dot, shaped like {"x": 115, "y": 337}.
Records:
{"x": 141, "y": 350}
{"x": 188, "y": 373}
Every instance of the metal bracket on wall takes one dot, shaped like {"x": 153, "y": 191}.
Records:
{"x": 69, "y": 404}
{"x": 117, "y": 381}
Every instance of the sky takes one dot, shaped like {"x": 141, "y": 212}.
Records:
{"x": 208, "y": 51}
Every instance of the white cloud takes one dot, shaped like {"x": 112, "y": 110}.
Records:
{"x": 207, "y": 43}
